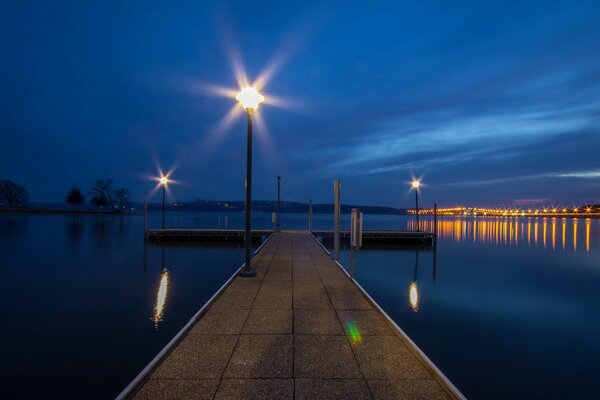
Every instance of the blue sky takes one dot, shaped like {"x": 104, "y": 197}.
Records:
{"x": 491, "y": 103}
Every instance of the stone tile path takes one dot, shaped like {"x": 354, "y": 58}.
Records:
{"x": 300, "y": 329}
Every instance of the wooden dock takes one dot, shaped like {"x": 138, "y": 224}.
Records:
{"x": 206, "y": 235}
{"x": 383, "y": 238}
{"x": 300, "y": 329}
{"x": 371, "y": 238}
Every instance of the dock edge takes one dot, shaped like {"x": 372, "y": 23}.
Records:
{"x": 438, "y": 374}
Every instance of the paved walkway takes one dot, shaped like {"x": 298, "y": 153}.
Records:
{"x": 300, "y": 329}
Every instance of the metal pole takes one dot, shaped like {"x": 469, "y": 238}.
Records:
{"x": 336, "y": 219}
{"x": 435, "y": 227}
{"x": 163, "y": 208}
{"x": 247, "y": 270}
{"x": 278, "y": 193}
{"x": 417, "y": 206}
{"x": 310, "y": 215}
{"x": 145, "y": 220}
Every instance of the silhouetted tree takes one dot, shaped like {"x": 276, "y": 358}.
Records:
{"x": 12, "y": 193}
{"x": 75, "y": 197}
{"x": 122, "y": 196}
{"x": 101, "y": 193}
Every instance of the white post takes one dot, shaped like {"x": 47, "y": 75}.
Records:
{"x": 336, "y": 219}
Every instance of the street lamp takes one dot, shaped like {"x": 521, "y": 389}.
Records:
{"x": 416, "y": 185}
{"x": 278, "y": 193}
{"x": 164, "y": 181}
{"x": 250, "y": 99}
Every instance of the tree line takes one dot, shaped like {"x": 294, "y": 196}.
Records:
{"x": 101, "y": 194}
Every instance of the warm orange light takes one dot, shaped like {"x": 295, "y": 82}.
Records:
{"x": 416, "y": 184}
{"x": 164, "y": 180}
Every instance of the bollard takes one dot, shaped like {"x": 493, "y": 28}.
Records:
{"x": 356, "y": 228}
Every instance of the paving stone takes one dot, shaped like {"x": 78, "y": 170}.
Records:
{"x": 197, "y": 357}
{"x": 221, "y": 321}
{"x": 324, "y": 356}
{"x": 249, "y": 285}
{"x": 269, "y": 321}
{"x": 348, "y": 299}
{"x": 262, "y": 356}
{"x": 426, "y": 389}
{"x": 387, "y": 357}
{"x": 332, "y": 389}
{"x": 256, "y": 389}
{"x": 317, "y": 322}
{"x": 169, "y": 389}
{"x": 275, "y": 296}
{"x": 368, "y": 322}
{"x": 310, "y": 295}
{"x": 234, "y": 299}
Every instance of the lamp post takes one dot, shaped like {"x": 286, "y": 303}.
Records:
{"x": 416, "y": 185}
{"x": 164, "y": 181}
{"x": 250, "y": 99}
{"x": 278, "y": 193}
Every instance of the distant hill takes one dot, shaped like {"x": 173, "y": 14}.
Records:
{"x": 270, "y": 206}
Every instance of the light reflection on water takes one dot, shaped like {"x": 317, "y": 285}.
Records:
{"x": 161, "y": 297}
{"x": 511, "y": 231}
{"x": 499, "y": 300}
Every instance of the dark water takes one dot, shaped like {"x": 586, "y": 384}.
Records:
{"x": 511, "y": 309}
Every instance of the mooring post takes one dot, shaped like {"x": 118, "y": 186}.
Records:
{"x": 310, "y": 215}
{"x": 336, "y": 219}
{"x": 145, "y": 220}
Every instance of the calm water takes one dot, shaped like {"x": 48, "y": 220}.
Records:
{"x": 509, "y": 310}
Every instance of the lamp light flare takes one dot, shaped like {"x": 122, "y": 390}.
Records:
{"x": 416, "y": 184}
{"x": 164, "y": 180}
{"x": 249, "y": 98}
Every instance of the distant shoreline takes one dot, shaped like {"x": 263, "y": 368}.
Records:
{"x": 53, "y": 211}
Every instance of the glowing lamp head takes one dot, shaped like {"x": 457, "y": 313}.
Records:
{"x": 249, "y": 98}
{"x": 164, "y": 180}
{"x": 416, "y": 184}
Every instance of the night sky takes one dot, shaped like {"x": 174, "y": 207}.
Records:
{"x": 490, "y": 103}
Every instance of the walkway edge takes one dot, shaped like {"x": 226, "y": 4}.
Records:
{"x": 444, "y": 381}
{"x": 136, "y": 383}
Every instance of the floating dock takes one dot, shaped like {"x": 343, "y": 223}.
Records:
{"x": 371, "y": 238}
{"x": 383, "y": 238}
{"x": 206, "y": 235}
{"x": 300, "y": 329}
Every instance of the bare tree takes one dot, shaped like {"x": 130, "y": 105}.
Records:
{"x": 101, "y": 192}
{"x": 122, "y": 196}
{"x": 75, "y": 197}
{"x": 12, "y": 193}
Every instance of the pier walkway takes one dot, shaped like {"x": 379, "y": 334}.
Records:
{"x": 300, "y": 329}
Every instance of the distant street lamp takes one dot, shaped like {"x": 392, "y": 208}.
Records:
{"x": 250, "y": 99}
{"x": 278, "y": 193}
{"x": 416, "y": 185}
{"x": 164, "y": 181}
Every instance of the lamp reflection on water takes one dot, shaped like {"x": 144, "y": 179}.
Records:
{"x": 161, "y": 297}
{"x": 413, "y": 296}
